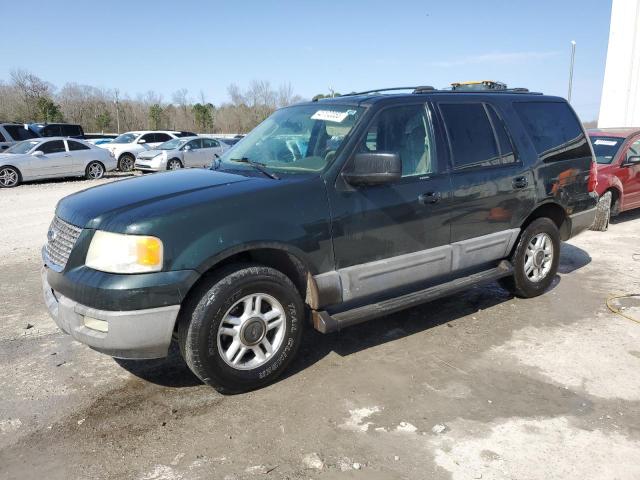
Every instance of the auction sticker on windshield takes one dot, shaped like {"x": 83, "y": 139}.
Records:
{"x": 330, "y": 116}
{"x": 608, "y": 143}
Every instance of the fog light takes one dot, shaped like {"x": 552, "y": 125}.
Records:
{"x": 95, "y": 324}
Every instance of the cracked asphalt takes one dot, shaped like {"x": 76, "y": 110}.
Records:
{"x": 477, "y": 385}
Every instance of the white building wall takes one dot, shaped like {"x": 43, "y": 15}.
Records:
{"x": 620, "y": 103}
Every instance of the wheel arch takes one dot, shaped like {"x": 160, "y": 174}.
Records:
{"x": 287, "y": 259}
{"x": 20, "y": 177}
{"x": 555, "y": 212}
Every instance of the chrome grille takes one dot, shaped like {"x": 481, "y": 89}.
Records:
{"x": 61, "y": 239}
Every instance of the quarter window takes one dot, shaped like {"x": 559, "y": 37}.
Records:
{"x": 55, "y": 146}
{"x": 76, "y": 145}
{"x": 470, "y": 133}
{"x": 554, "y": 130}
{"x": 406, "y": 131}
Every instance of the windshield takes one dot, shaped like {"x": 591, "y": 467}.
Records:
{"x": 605, "y": 148}
{"x": 22, "y": 147}
{"x": 299, "y": 139}
{"x": 125, "y": 138}
{"x": 171, "y": 144}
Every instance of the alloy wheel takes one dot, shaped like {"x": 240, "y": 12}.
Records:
{"x": 538, "y": 257}
{"x": 251, "y": 331}
{"x": 95, "y": 171}
{"x": 8, "y": 177}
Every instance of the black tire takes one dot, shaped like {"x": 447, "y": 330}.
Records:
{"x": 94, "y": 171}
{"x": 126, "y": 162}
{"x": 202, "y": 316}
{"x": 603, "y": 213}
{"x": 520, "y": 283}
{"x": 174, "y": 164}
{"x": 9, "y": 177}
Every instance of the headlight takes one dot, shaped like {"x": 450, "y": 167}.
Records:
{"x": 119, "y": 253}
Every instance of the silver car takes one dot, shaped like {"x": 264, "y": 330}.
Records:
{"x": 53, "y": 157}
{"x": 179, "y": 153}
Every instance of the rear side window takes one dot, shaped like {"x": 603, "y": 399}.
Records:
{"x": 76, "y": 145}
{"x": 470, "y": 133}
{"x": 554, "y": 130}
{"x": 18, "y": 132}
{"x": 505, "y": 144}
{"x": 210, "y": 143}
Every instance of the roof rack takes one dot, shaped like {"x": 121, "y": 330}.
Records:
{"x": 430, "y": 89}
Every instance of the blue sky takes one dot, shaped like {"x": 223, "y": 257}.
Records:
{"x": 138, "y": 46}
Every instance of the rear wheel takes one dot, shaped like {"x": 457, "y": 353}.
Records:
{"x": 9, "y": 177}
{"x": 174, "y": 164}
{"x": 242, "y": 327}
{"x": 94, "y": 171}
{"x": 603, "y": 213}
{"x": 126, "y": 162}
{"x": 535, "y": 259}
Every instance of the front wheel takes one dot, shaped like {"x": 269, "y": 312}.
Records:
{"x": 535, "y": 259}
{"x": 9, "y": 177}
{"x": 174, "y": 164}
{"x": 94, "y": 171}
{"x": 126, "y": 162}
{"x": 241, "y": 329}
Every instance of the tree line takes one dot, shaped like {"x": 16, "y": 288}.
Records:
{"x": 26, "y": 98}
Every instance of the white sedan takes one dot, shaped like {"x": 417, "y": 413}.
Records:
{"x": 53, "y": 157}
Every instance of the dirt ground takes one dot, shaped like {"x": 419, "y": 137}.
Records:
{"x": 475, "y": 386}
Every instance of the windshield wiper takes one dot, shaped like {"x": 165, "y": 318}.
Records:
{"x": 257, "y": 166}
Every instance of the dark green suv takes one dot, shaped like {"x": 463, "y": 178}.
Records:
{"x": 327, "y": 214}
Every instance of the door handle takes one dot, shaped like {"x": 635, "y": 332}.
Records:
{"x": 429, "y": 197}
{"x": 520, "y": 182}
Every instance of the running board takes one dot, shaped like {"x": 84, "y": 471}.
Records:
{"x": 326, "y": 323}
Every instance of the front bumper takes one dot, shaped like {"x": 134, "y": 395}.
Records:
{"x": 140, "y": 165}
{"x": 133, "y": 334}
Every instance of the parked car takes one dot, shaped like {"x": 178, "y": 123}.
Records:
{"x": 40, "y": 158}
{"x": 57, "y": 130}
{"x": 125, "y": 147}
{"x": 617, "y": 152}
{"x": 394, "y": 201}
{"x": 11, "y": 133}
{"x": 179, "y": 153}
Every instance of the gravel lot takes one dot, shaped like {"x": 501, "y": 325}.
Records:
{"x": 480, "y": 385}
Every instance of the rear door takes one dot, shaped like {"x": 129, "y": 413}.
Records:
{"x": 492, "y": 189}
{"x": 55, "y": 161}
{"x": 211, "y": 148}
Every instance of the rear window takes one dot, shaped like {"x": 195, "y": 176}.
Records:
{"x": 605, "y": 148}
{"x": 18, "y": 132}
{"x": 554, "y": 130}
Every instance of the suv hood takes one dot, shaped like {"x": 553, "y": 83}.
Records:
{"x": 90, "y": 207}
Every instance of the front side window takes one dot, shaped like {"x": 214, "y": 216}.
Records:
{"x": 2, "y": 137}
{"x": 298, "y": 139}
{"x": 162, "y": 137}
{"x": 55, "y": 146}
{"x": 470, "y": 133}
{"x": 606, "y": 148}
{"x": 171, "y": 144}
{"x": 406, "y": 131}
{"x": 76, "y": 145}
{"x": 634, "y": 149}
{"x": 554, "y": 130}
{"x": 125, "y": 138}
{"x": 149, "y": 138}
{"x": 70, "y": 130}
{"x": 209, "y": 143}
{"x": 195, "y": 144}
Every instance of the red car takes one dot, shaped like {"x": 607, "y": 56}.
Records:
{"x": 617, "y": 152}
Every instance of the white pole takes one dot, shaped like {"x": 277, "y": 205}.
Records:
{"x": 573, "y": 57}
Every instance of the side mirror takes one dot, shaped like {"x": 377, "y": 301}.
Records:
{"x": 187, "y": 148}
{"x": 374, "y": 169}
{"x": 141, "y": 141}
{"x": 38, "y": 153}
{"x": 634, "y": 160}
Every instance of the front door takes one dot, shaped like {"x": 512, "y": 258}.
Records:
{"x": 492, "y": 189}
{"x": 394, "y": 235}
{"x": 55, "y": 161}
{"x": 630, "y": 177}
{"x": 192, "y": 153}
